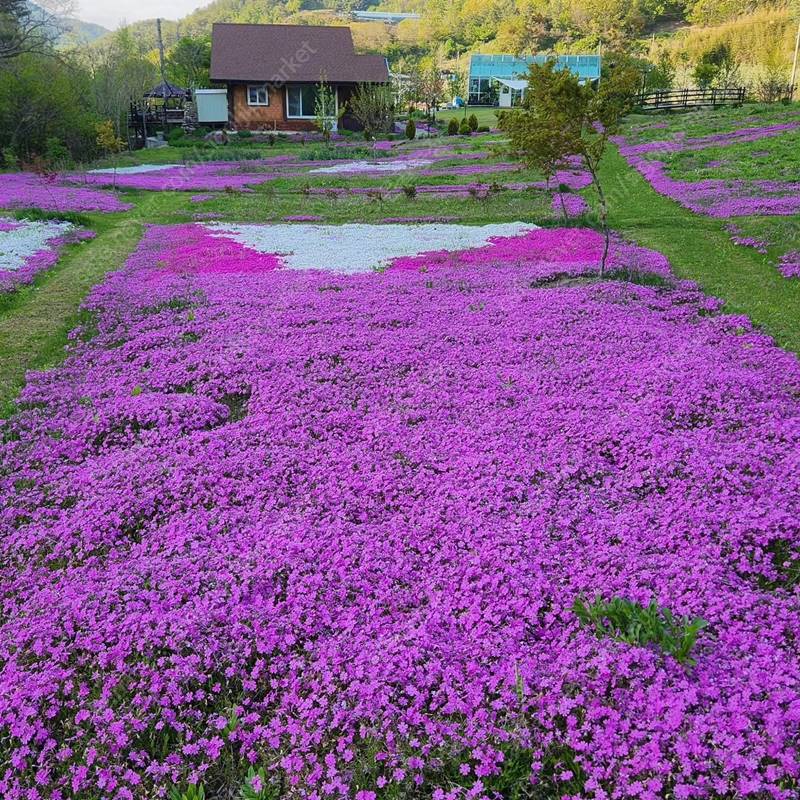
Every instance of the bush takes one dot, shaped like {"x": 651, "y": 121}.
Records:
{"x": 56, "y": 152}
{"x": 411, "y": 130}
{"x": 483, "y": 129}
{"x": 245, "y": 134}
{"x": 452, "y": 127}
{"x": 464, "y": 129}
{"x": 472, "y": 122}
{"x": 175, "y": 136}
{"x": 373, "y": 107}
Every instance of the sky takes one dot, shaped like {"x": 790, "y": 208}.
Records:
{"x": 111, "y": 13}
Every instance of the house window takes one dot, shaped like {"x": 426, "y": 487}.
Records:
{"x": 257, "y": 95}
{"x": 301, "y": 101}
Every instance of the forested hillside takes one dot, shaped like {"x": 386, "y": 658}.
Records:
{"x": 504, "y": 25}
{"x": 53, "y": 95}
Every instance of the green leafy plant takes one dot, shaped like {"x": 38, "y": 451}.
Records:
{"x": 411, "y": 130}
{"x": 628, "y": 621}
{"x": 194, "y": 791}
{"x": 258, "y": 786}
{"x": 452, "y": 127}
{"x": 464, "y": 128}
{"x": 472, "y": 121}
{"x": 325, "y": 112}
{"x": 373, "y": 106}
{"x": 717, "y": 67}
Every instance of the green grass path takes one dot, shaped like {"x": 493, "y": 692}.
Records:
{"x": 35, "y": 323}
{"x": 700, "y": 249}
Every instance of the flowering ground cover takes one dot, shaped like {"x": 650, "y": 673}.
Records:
{"x": 334, "y": 527}
{"x": 28, "y": 190}
{"x": 29, "y": 246}
{"x": 748, "y": 169}
{"x": 194, "y": 177}
{"x": 221, "y": 175}
{"x": 717, "y": 197}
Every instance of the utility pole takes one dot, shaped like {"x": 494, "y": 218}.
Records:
{"x": 160, "y": 50}
{"x": 793, "y": 82}
{"x": 163, "y": 74}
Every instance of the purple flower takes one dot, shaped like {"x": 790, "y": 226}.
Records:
{"x": 28, "y": 190}
{"x": 351, "y": 514}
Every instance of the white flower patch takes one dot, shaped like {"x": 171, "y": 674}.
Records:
{"x": 395, "y": 165}
{"x": 25, "y": 239}
{"x": 135, "y": 170}
{"x": 359, "y": 247}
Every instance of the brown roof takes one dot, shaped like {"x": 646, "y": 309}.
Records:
{"x": 290, "y": 53}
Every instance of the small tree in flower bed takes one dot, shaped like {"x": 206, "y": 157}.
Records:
{"x": 373, "y": 107}
{"x": 109, "y": 143}
{"x": 325, "y": 109}
{"x": 559, "y": 117}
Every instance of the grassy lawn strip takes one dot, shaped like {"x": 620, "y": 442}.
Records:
{"x": 486, "y": 115}
{"x": 34, "y": 321}
{"x": 700, "y": 249}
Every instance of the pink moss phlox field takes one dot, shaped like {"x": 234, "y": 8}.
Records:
{"x": 193, "y": 249}
{"x": 41, "y": 260}
{"x": 29, "y": 190}
{"x": 196, "y": 177}
{"x": 711, "y": 196}
{"x": 573, "y": 205}
{"x": 417, "y": 220}
{"x": 722, "y": 198}
{"x": 549, "y": 253}
{"x": 448, "y": 189}
{"x": 684, "y": 143}
{"x": 321, "y": 522}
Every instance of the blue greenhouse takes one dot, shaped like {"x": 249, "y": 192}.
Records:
{"x": 501, "y": 79}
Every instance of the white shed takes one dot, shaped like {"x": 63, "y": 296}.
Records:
{"x": 212, "y": 105}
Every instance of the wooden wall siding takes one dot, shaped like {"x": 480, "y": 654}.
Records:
{"x": 267, "y": 118}
{"x": 273, "y": 116}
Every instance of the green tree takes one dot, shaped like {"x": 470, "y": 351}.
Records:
{"x": 109, "y": 143}
{"x": 373, "y": 106}
{"x": 43, "y": 98}
{"x": 28, "y": 28}
{"x": 325, "y": 109}
{"x": 121, "y": 73}
{"x": 427, "y": 84}
{"x": 189, "y": 62}
{"x": 560, "y": 117}
{"x": 717, "y": 67}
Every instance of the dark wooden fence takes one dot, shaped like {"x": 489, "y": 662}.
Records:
{"x": 664, "y": 99}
